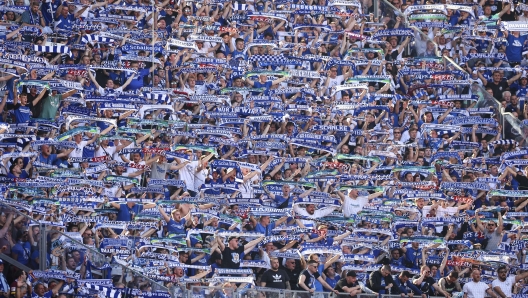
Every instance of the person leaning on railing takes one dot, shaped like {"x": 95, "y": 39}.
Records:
{"x": 350, "y": 286}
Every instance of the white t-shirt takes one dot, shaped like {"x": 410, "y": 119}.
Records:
{"x": 118, "y": 158}
{"x": 199, "y": 178}
{"x": 78, "y": 152}
{"x": 197, "y": 90}
{"x": 475, "y": 289}
{"x": 353, "y": 207}
{"x": 109, "y": 150}
{"x": 448, "y": 211}
{"x": 133, "y": 170}
{"x": 246, "y": 189}
{"x": 208, "y": 45}
{"x": 110, "y": 191}
{"x": 85, "y": 13}
{"x": 110, "y": 92}
{"x": 405, "y": 136}
{"x": 505, "y": 286}
{"x": 187, "y": 174}
{"x": 338, "y": 80}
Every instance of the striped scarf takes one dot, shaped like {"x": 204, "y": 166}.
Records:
{"x": 61, "y": 49}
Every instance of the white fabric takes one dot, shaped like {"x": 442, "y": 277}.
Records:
{"x": 353, "y": 207}
{"x": 505, "y": 286}
{"x": 475, "y": 289}
{"x": 109, "y": 150}
{"x": 187, "y": 174}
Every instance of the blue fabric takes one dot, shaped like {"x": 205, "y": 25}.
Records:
{"x": 22, "y": 250}
{"x": 176, "y": 227}
{"x": 412, "y": 256}
{"x": 22, "y": 114}
{"x": 124, "y": 213}
{"x": 265, "y": 230}
{"x": 514, "y": 48}
{"x": 52, "y": 158}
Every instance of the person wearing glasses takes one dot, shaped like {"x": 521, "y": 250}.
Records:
{"x": 492, "y": 232}
{"x": 426, "y": 283}
{"x": 308, "y": 277}
{"x": 503, "y": 284}
{"x": 294, "y": 272}
{"x": 232, "y": 251}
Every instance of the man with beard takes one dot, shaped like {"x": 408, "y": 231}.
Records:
{"x": 308, "y": 278}
{"x": 310, "y": 212}
{"x": 503, "y": 284}
{"x": 275, "y": 278}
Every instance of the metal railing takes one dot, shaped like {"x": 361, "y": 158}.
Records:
{"x": 61, "y": 242}
{"x": 399, "y": 296}
{"x": 211, "y": 292}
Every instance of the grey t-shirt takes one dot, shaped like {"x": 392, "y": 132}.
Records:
{"x": 494, "y": 239}
{"x": 159, "y": 170}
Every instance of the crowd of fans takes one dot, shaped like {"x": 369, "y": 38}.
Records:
{"x": 155, "y": 149}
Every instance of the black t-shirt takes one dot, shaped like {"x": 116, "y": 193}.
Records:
{"x": 497, "y": 88}
{"x": 170, "y": 18}
{"x": 293, "y": 275}
{"x": 343, "y": 283}
{"x": 449, "y": 287}
{"x": 309, "y": 281}
{"x": 37, "y": 109}
{"x": 427, "y": 285}
{"x": 275, "y": 279}
{"x": 496, "y": 7}
{"x": 523, "y": 182}
{"x": 231, "y": 258}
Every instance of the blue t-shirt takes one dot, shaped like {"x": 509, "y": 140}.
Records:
{"x": 137, "y": 82}
{"x": 50, "y": 160}
{"x": 89, "y": 150}
{"x": 22, "y": 113}
{"x": 22, "y": 250}
{"x": 176, "y": 227}
{"x": 23, "y": 175}
{"x": 412, "y": 256}
{"x": 48, "y": 10}
{"x": 65, "y": 23}
{"x": 61, "y": 163}
{"x": 514, "y": 48}
{"x": 265, "y": 230}
{"x": 236, "y": 54}
{"x": 279, "y": 200}
{"x": 125, "y": 212}
{"x": 332, "y": 281}
{"x": 522, "y": 91}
